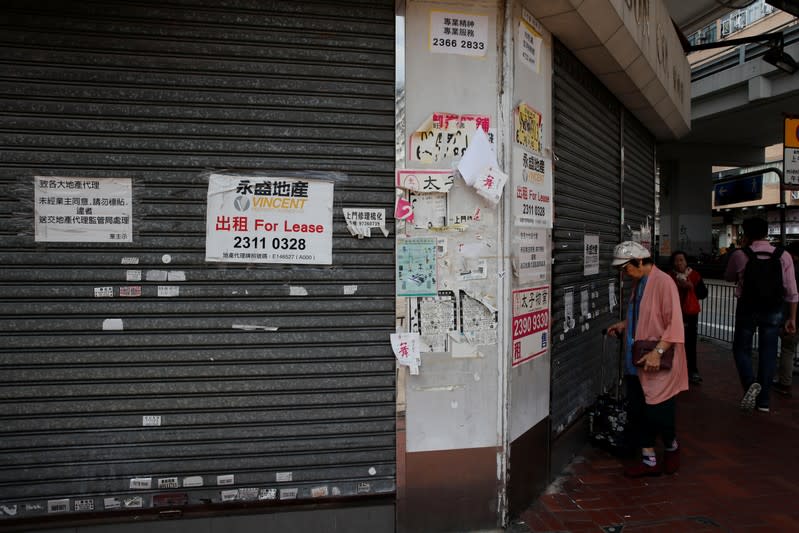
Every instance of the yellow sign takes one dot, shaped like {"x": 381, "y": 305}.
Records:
{"x": 529, "y": 127}
{"x": 792, "y": 132}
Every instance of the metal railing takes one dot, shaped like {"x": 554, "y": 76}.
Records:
{"x": 717, "y": 319}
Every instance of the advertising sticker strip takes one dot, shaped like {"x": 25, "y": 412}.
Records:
{"x": 530, "y": 324}
{"x": 253, "y": 219}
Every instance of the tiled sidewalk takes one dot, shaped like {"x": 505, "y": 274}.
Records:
{"x": 740, "y": 471}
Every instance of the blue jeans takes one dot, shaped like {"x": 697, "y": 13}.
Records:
{"x": 768, "y": 325}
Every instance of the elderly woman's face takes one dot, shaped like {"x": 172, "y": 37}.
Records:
{"x": 680, "y": 264}
{"x": 635, "y": 272}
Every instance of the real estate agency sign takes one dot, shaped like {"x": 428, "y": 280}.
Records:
{"x": 791, "y": 153}
{"x": 257, "y": 219}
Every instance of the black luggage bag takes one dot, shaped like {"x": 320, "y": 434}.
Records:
{"x": 607, "y": 417}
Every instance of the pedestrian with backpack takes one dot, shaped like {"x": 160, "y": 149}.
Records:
{"x": 765, "y": 283}
{"x": 788, "y": 347}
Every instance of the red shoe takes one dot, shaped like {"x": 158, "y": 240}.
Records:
{"x": 642, "y": 469}
{"x": 671, "y": 461}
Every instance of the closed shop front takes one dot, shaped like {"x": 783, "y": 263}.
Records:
{"x": 145, "y": 369}
{"x": 604, "y": 193}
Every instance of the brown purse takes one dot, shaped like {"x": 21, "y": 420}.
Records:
{"x": 641, "y": 348}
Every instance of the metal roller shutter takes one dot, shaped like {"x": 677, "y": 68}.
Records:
{"x": 160, "y": 91}
{"x": 639, "y": 175}
{"x": 587, "y": 197}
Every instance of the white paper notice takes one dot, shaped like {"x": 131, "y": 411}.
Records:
{"x": 82, "y": 209}
{"x": 529, "y": 46}
{"x": 568, "y": 309}
{"x": 425, "y": 180}
{"x": 479, "y": 157}
{"x": 429, "y": 210}
{"x": 269, "y": 220}
{"x": 612, "y": 301}
{"x": 361, "y": 221}
{"x": 531, "y": 254}
{"x": 490, "y": 184}
{"x": 532, "y": 196}
{"x": 458, "y": 33}
{"x": 406, "y": 349}
{"x": 590, "y": 255}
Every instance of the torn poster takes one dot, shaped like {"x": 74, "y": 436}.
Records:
{"x": 444, "y": 136}
{"x": 416, "y": 267}
{"x": 590, "y": 255}
{"x": 530, "y": 42}
{"x": 435, "y": 319}
{"x": 426, "y": 180}
{"x": 361, "y": 221}
{"x": 532, "y": 196}
{"x": 403, "y": 210}
{"x": 429, "y": 210}
{"x": 82, "y": 209}
{"x": 585, "y": 303}
{"x": 458, "y": 33}
{"x": 490, "y": 184}
{"x": 478, "y": 320}
{"x": 530, "y": 255}
{"x": 529, "y": 126}
{"x": 530, "y": 324}
{"x": 568, "y": 309}
{"x": 406, "y": 350}
{"x": 612, "y": 301}
{"x": 478, "y": 158}
{"x": 471, "y": 269}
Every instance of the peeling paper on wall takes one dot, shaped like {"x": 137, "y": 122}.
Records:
{"x": 361, "y": 221}
{"x": 444, "y": 136}
{"x": 176, "y": 275}
{"x": 478, "y": 319}
{"x": 113, "y": 324}
{"x": 295, "y": 290}
{"x": 156, "y": 275}
{"x": 253, "y": 327}
{"x": 406, "y": 350}
{"x": 350, "y": 289}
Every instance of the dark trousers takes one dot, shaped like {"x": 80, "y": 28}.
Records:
{"x": 645, "y": 422}
{"x": 690, "y": 323}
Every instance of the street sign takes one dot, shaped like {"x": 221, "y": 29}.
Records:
{"x": 738, "y": 191}
{"x": 791, "y": 152}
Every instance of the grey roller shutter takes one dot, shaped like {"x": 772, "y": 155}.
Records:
{"x": 160, "y": 92}
{"x": 587, "y": 187}
{"x": 639, "y": 175}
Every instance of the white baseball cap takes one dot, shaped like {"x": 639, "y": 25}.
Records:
{"x": 627, "y": 250}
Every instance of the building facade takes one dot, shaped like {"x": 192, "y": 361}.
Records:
{"x": 269, "y": 264}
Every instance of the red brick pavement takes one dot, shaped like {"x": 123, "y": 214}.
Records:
{"x": 739, "y": 473}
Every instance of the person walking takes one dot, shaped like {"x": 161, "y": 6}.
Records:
{"x": 691, "y": 288}
{"x": 765, "y": 285}
{"x": 653, "y": 331}
{"x": 784, "y": 382}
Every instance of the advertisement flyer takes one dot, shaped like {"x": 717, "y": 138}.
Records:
{"x": 269, "y": 220}
{"x": 416, "y": 267}
{"x": 532, "y": 189}
{"x": 458, "y": 33}
{"x": 530, "y": 324}
{"x": 82, "y": 209}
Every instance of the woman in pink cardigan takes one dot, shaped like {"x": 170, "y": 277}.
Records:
{"x": 653, "y": 314}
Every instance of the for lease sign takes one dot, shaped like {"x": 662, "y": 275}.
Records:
{"x": 269, "y": 220}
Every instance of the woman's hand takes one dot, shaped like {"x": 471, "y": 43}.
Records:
{"x": 651, "y": 361}
{"x": 617, "y": 329}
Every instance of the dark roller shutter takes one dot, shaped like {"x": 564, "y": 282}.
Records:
{"x": 160, "y": 91}
{"x": 639, "y": 175}
{"x": 587, "y": 186}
